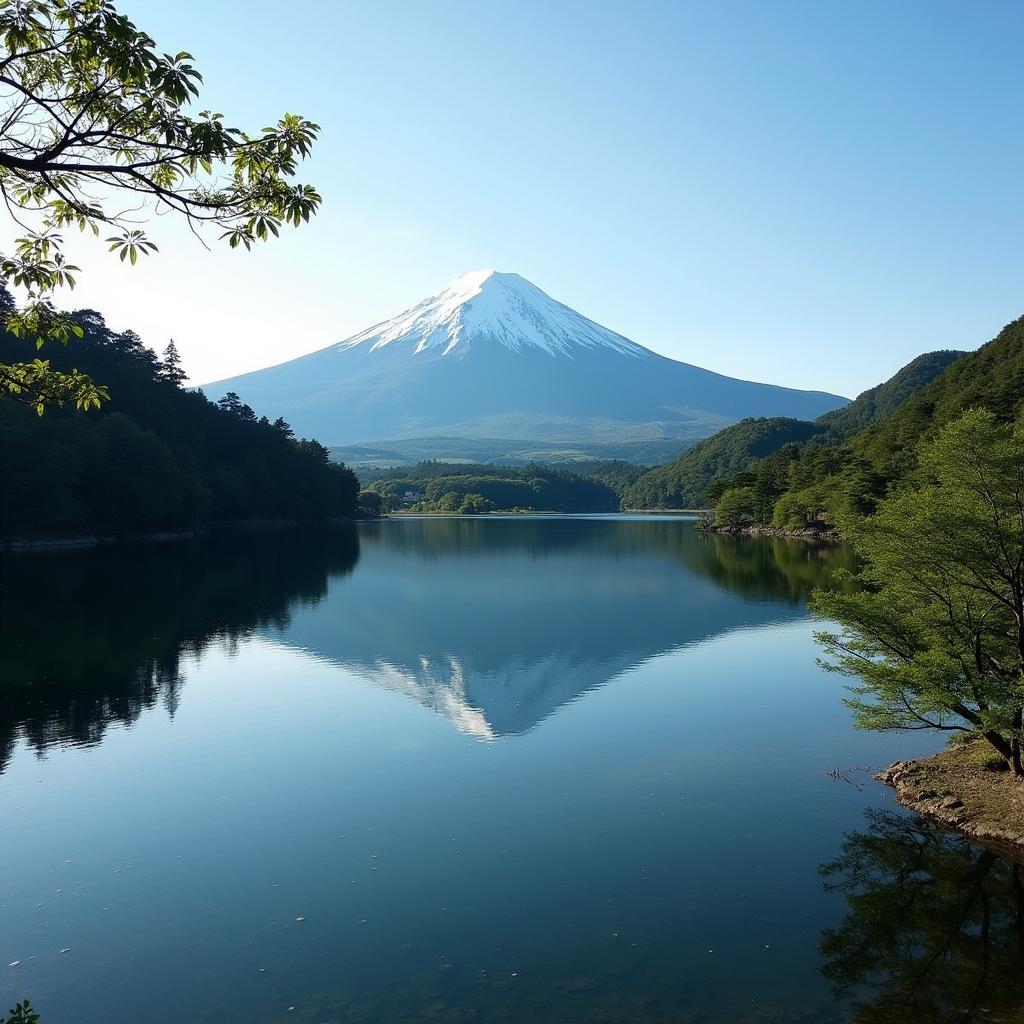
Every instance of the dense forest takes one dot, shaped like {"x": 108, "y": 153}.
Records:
{"x": 881, "y": 401}
{"x": 683, "y": 483}
{"x": 444, "y": 487}
{"x": 735, "y": 455}
{"x": 820, "y": 483}
{"x": 156, "y": 457}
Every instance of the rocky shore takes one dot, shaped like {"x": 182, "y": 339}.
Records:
{"x": 964, "y": 789}
{"x": 804, "y": 533}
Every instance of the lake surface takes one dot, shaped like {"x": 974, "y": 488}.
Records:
{"x": 499, "y": 769}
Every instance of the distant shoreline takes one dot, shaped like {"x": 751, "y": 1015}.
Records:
{"x": 411, "y": 513}
{"x": 667, "y": 511}
{"x": 79, "y": 543}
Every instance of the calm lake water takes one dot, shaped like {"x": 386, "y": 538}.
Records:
{"x": 499, "y": 769}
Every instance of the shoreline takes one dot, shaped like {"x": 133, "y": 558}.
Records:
{"x": 667, "y": 511}
{"x": 806, "y": 533}
{"x": 78, "y": 543}
{"x": 959, "y": 789}
{"x": 397, "y": 513}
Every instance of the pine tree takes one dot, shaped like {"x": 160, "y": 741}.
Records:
{"x": 170, "y": 366}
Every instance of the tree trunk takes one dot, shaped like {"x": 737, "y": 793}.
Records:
{"x": 1009, "y": 750}
{"x": 1015, "y": 765}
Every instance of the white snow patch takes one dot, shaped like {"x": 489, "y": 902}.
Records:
{"x": 484, "y": 306}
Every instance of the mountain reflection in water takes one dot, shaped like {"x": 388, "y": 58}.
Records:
{"x": 494, "y": 623}
{"x": 498, "y": 623}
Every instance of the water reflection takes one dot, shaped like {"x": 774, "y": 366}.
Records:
{"x": 95, "y": 637}
{"x": 492, "y": 623}
{"x": 496, "y": 624}
{"x": 934, "y": 930}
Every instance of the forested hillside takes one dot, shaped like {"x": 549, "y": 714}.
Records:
{"x": 443, "y": 487}
{"x": 880, "y": 402}
{"x": 684, "y": 482}
{"x": 155, "y": 457}
{"x": 698, "y": 476}
{"x": 820, "y": 483}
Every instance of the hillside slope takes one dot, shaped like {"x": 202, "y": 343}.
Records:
{"x": 880, "y": 402}
{"x": 156, "y": 457}
{"x": 683, "y": 483}
{"x": 821, "y": 481}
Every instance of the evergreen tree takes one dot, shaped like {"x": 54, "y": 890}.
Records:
{"x": 170, "y": 366}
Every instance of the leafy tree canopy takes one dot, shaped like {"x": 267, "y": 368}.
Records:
{"x": 936, "y": 634}
{"x": 97, "y": 129}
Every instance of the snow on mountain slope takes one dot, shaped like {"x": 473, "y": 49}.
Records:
{"x": 493, "y": 357}
{"x": 486, "y": 306}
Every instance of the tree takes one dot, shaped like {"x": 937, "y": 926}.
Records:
{"x": 371, "y": 504}
{"x": 935, "y": 634}
{"x": 475, "y": 504}
{"x": 232, "y": 404}
{"x": 738, "y": 506}
{"x": 170, "y": 366}
{"x": 95, "y": 126}
{"x": 22, "y": 1014}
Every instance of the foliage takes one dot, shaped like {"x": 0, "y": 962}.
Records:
{"x": 370, "y": 505}
{"x": 855, "y": 474}
{"x": 781, "y": 456}
{"x": 684, "y": 482}
{"x": 96, "y": 129}
{"x": 738, "y": 506}
{"x": 444, "y": 487}
{"x": 794, "y": 509}
{"x": 880, "y": 402}
{"x": 156, "y": 458}
{"x": 618, "y": 474}
{"x": 475, "y": 504}
{"x": 936, "y": 634}
{"x": 22, "y": 1013}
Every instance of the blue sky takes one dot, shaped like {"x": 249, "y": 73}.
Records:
{"x": 802, "y": 193}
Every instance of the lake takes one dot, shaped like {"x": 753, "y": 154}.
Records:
{"x": 522, "y": 769}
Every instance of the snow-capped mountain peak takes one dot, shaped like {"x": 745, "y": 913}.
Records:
{"x": 492, "y": 358}
{"x": 484, "y": 307}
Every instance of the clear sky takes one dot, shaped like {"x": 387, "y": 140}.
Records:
{"x": 802, "y": 193}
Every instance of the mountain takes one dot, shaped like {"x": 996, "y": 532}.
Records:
{"x": 883, "y": 400}
{"x": 683, "y": 483}
{"x": 492, "y": 356}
